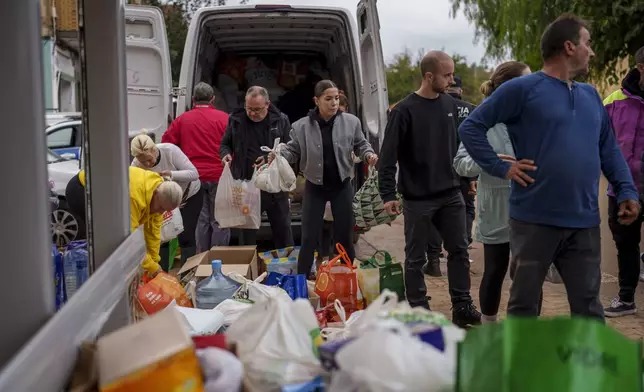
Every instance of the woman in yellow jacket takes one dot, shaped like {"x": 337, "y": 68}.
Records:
{"x": 150, "y": 197}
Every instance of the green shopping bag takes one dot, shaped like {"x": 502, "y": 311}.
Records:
{"x": 552, "y": 355}
{"x": 380, "y": 272}
{"x": 368, "y": 207}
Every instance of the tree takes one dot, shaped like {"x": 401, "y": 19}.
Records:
{"x": 513, "y": 28}
{"x": 177, "y": 15}
{"x": 403, "y": 76}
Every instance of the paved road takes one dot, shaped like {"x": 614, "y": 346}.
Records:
{"x": 391, "y": 238}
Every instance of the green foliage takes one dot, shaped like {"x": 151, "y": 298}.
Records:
{"x": 177, "y": 14}
{"x": 403, "y": 77}
{"x": 513, "y": 28}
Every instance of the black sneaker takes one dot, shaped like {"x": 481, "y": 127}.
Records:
{"x": 433, "y": 268}
{"x": 421, "y": 304}
{"x": 618, "y": 308}
{"x": 465, "y": 315}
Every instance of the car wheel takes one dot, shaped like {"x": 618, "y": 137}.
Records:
{"x": 64, "y": 227}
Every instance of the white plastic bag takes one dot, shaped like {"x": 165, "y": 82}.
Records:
{"x": 237, "y": 203}
{"x": 343, "y": 331}
{"x": 232, "y": 309}
{"x": 254, "y": 291}
{"x": 221, "y": 369}
{"x": 172, "y": 225}
{"x": 278, "y": 176}
{"x": 275, "y": 341}
{"x": 391, "y": 360}
{"x": 201, "y": 321}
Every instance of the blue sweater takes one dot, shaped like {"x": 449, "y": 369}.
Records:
{"x": 567, "y": 133}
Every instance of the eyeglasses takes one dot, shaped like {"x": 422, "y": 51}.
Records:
{"x": 256, "y": 110}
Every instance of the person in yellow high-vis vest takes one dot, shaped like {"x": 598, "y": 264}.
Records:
{"x": 150, "y": 197}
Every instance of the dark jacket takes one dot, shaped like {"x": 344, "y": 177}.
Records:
{"x": 233, "y": 142}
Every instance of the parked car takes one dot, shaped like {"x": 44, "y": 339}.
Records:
{"x": 65, "y": 227}
{"x": 64, "y": 134}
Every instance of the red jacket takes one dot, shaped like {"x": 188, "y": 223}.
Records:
{"x": 198, "y": 134}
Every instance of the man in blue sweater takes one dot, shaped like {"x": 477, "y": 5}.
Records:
{"x": 563, "y": 141}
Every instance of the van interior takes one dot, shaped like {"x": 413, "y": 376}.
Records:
{"x": 285, "y": 52}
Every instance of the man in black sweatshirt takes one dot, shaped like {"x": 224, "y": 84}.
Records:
{"x": 468, "y": 188}
{"x": 421, "y": 138}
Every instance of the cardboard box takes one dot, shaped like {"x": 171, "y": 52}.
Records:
{"x": 241, "y": 259}
{"x": 156, "y": 354}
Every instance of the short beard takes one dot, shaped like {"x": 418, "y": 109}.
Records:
{"x": 438, "y": 89}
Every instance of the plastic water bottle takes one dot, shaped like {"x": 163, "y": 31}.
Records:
{"x": 75, "y": 269}
{"x": 215, "y": 289}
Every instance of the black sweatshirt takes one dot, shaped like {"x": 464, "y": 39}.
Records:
{"x": 421, "y": 138}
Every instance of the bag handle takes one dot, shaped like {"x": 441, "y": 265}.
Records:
{"x": 371, "y": 171}
{"x": 276, "y": 147}
{"x": 387, "y": 256}
{"x": 342, "y": 256}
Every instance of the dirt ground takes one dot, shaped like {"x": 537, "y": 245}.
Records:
{"x": 391, "y": 238}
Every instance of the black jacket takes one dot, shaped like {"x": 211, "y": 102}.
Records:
{"x": 233, "y": 142}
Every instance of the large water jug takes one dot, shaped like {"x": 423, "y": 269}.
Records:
{"x": 215, "y": 289}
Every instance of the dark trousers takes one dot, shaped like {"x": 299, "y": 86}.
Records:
{"x": 496, "y": 259}
{"x": 278, "y": 212}
{"x": 208, "y": 232}
{"x": 448, "y": 214}
{"x": 627, "y": 241}
{"x": 187, "y": 239}
{"x": 435, "y": 243}
{"x": 315, "y": 198}
{"x": 576, "y": 253}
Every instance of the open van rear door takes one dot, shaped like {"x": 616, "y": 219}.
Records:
{"x": 149, "y": 79}
{"x": 374, "y": 79}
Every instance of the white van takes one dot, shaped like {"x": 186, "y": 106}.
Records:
{"x": 276, "y": 46}
{"x": 351, "y": 57}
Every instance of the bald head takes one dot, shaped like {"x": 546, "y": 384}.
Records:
{"x": 432, "y": 61}
{"x": 437, "y": 69}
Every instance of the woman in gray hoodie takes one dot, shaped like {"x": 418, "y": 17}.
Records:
{"x": 322, "y": 143}
{"x": 493, "y": 194}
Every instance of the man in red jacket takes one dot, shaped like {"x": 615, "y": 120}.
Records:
{"x": 198, "y": 134}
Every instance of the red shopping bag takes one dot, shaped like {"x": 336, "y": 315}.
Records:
{"x": 337, "y": 279}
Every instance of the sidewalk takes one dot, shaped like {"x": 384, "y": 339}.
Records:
{"x": 555, "y": 299}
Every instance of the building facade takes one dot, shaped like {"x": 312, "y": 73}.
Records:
{"x": 61, "y": 64}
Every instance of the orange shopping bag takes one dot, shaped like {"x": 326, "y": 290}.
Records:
{"x": 154, "y": 295}
{"x": 337, "y": 280}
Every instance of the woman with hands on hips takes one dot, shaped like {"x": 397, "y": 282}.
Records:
{"x": 322, "y": 143}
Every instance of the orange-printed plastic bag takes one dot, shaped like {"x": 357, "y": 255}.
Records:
{"x": 154, "y": 295}
{"x": 337, "y": 279}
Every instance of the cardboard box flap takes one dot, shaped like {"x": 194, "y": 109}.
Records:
{"x": 192, "y": 263}
{"x": 229, "y": 255}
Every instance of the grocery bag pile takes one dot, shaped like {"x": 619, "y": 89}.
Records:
{"x": 277, "y": 332}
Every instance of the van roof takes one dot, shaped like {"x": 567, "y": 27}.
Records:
{"x": 269, "y": 8}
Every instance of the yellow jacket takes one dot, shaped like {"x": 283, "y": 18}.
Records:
{"x": 143, "y": 183}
